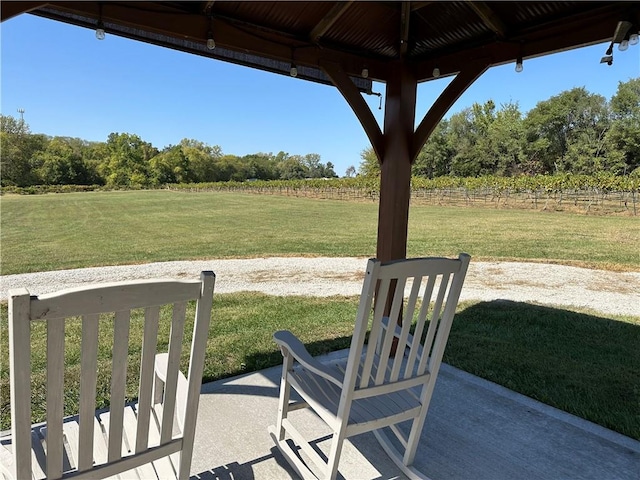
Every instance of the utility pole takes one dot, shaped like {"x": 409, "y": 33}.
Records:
{"x": 21, "y": 112}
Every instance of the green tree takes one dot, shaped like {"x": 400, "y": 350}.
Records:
{"x": 623, "y": 138}
{"x": 434, "y": 159}
{"x": 19, "y": 146}
{"x": 468, "y": 138}
{"x": 62, "y": 163}
{"x": 505, "y": 140}
{"x": 293, "y": 168}
{"x": 369, "y": 166}
{"x": 128, "y": 158}
{"x": 566, "y": 132}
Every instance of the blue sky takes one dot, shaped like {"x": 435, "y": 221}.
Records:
{"x": 71, "y": 84}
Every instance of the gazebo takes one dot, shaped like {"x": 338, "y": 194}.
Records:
{"x": 350, "y": 44}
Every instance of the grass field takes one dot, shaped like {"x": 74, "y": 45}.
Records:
{"x": 51, "y": 232}
{"x": 580, "y": 362}
{"x": 584, "y": 363}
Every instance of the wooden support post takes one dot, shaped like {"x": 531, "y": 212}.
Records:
{"x": 395, "y": 178}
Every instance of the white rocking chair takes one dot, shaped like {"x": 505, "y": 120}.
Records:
{"x": 151, "y": 438}
{"x": 388, "y": 378}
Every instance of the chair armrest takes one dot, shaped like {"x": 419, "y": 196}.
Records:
{"x": 290, "y": 344}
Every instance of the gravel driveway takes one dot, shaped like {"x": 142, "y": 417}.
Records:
{"x": 603, "y": 291}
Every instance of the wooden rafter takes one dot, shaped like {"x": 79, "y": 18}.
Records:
{"x": 208, "y": 7}
{"x": 12, "y": 9}
{"x": 329, "y": 19}
{"x": 489, "y": 18}
{"x": 405, "y": 16}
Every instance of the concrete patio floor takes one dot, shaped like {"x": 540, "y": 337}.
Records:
{"x": 475, "y": 430}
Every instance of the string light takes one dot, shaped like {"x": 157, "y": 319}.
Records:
{"x": 294, "y": 70}
{"x": 100, "y": 27}
{"x": 365, "y": 73}
{"x": 436, "y": 72}
{"x": 624, "y": 44}
{"x": 519, "y": 66}
{"x": 211, "y": 43}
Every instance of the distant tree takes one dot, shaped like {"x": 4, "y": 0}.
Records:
{"x": 62, "y": 163}
{"x": 350, "y": 171}
{"x": 169, "y": 166}
{"x": 18, "y": 147}
{"x": 623, "y": 137}
{"x": 261, "y": 166}
{"x": 467, "y": 137}
{"x": 201, "y": 159}
{"x": 369, "y": 166}
{"x": 293, "y": 168}
{"x": 566, "y": 132}
{"x": 128, "y": 158}
{"x": 434, "y": 159}
{"x": 328, "y": 171}
{"x": 505, "y": 140}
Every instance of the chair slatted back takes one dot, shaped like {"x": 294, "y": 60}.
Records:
{"x": 91, "y": 303}
{"x": 423, "y": 293}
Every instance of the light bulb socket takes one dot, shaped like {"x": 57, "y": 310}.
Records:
{"x": 294, "y": 71}
{"x": 100, "y": 34}
{"x": 436, "y": 72}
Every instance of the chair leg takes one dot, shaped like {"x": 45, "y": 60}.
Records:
{"x": 413, "y": 440}
{"x": 285, "y": 394}
{"x": 334, "y": 455}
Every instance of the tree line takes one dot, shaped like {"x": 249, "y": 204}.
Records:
{"x": 574, "y": 132}
{"x": 126, "y": 160}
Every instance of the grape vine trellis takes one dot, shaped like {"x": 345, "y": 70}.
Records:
{"x": 587, "y": 193}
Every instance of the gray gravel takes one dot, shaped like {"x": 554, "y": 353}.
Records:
{"x": 602, "y": 291}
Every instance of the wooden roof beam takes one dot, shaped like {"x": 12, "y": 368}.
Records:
{"x": 208, "y": 7}
{"x": 489, "y": 18}
{"x": 405, "y": 17}
{"x": 12, "y": 9}
{"x": 328, "y": 20}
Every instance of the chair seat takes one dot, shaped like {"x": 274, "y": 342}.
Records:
{"x": 363, "y": 410}
{"x": 163, "y": 468}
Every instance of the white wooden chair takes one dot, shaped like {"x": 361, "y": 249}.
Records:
{"x": 151, "y": 438}
{"x": 387, "y": 378}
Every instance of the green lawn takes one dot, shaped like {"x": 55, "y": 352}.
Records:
{"x": 57, "y": 231}
{"x": 585, "y": 363}
{"x": 581, "y": 362}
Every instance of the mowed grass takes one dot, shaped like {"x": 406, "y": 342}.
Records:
{"x": 578, "y": 361}
{"x": 52, "y": 232}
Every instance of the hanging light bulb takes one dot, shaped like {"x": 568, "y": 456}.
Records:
{"x": 211, "y": 43}
{"x": 100, "y": 31}
{"x": 365, "y": 73}
{"x": 634, "y": 39}
{"x": 293, "y": 71}
{"x": 519, "y": 67}
{"x": 436, "y": 72}
{"x": 624, "y": 44}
